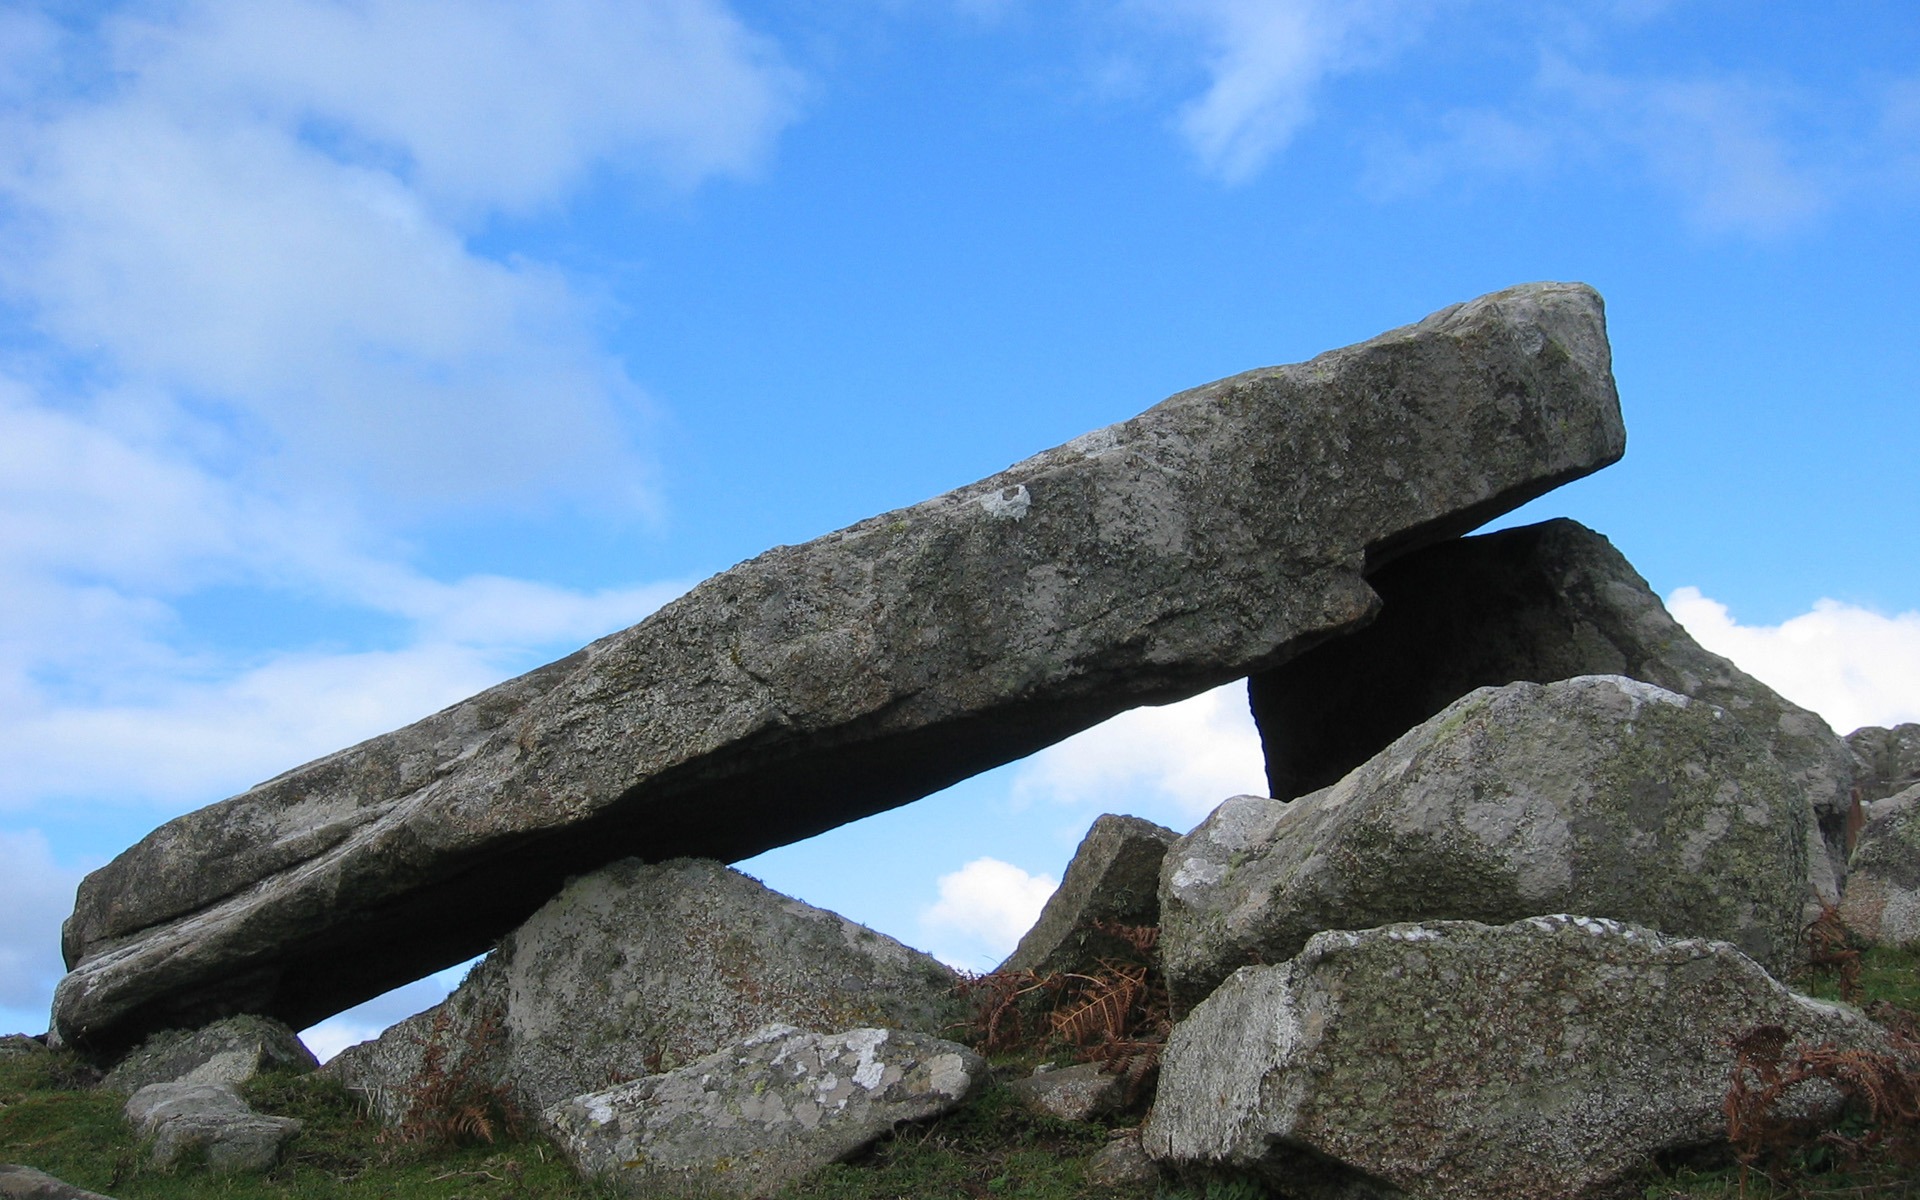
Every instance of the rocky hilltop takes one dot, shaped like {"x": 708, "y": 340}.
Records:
{"x": 1533, "y": 865}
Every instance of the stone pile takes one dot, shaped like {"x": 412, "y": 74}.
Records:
{"x": 1530, "y": 858}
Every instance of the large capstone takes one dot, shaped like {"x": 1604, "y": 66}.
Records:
{"x": 1539, "y": 603}
{"x": 1599, "y": 794}
{"x": 1556, "y": 1056}
{"x": 1221, "y": 532}
{"x": 638, "y": 969}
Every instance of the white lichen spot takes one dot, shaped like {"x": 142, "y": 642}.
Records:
{"x": 947, "y": 1075}
{"x": 1007, "y": 503}
{"x": 1642, "y": 693}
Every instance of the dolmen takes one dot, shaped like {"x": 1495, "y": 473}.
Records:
{"x": 1219, "y": 534}
{"x": 1513, "y": 916}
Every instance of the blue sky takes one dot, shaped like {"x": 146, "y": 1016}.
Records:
{"x": 354, "y": 356}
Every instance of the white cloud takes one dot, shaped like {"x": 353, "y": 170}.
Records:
{"x": 983, "y": 911}
{"x": 36, "y": 894}
{"x": 268, "y": 211}
{"x": 1719, "y": 144}
{"x": 1177, "y": 760}
{"x": 1267, "y": 59}
{"x": 1851, "y": 665}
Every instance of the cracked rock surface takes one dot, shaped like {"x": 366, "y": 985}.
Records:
{"x": 747, "y": 1119}
{"x": 1554, "y": 1056}
{"x": 640, "y": 968}
{"x": 1599, "y": 794}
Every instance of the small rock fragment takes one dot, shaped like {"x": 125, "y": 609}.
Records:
{"x": 25, "y": 1183}
{"x": 1077, "y": 1093}
{"x": 230, "y": 1051}
{"x": 210, "y": 1118}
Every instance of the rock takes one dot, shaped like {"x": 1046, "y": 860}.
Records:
{"x": 637, "y": 969}
{"x": 1599, "y": 794}
{"x": 1219, "y": 533}
{"x": 1540, "y": 603}
{"x": 1114, "y": 878}
{"x": 457, "y": 1046}
{"x": 231, "y": 1051}
{"x": 1882, "y": 902}
{"x": 1077, "y": 1093}
{"x": 209, "y": 1118}
{"x": 25, "y": 1183}
{"x": 762, "y": 1112}
{"x": 1555, "y": 1056}
{"x": 1889, "y": 760}
{"x": 1121, "y": 1163}
{"x": 23, "y": 1043}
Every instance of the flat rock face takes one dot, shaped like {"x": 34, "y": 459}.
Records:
{"x": 1599, "y": 794}
{"x": 230, "y": 1052}
{"x": 770, "y": 1109}
{"x": 209, "y": 1118}
{"x": 1889, "y": 760}
{"x": 1114, "y": 879}
{"x": 637, "y": 969}
{"x": 1457, "y": 1061}
{"x": 1221, "y": 532}
{"x": 1882, "y": 904}
{"x": 1539, "y": 603}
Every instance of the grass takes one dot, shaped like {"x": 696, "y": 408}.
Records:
{"x": 48, "y": 1119}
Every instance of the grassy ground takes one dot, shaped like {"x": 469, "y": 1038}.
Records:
{"x": 50, "y": 1119}
{"x": 991, "y": 1148}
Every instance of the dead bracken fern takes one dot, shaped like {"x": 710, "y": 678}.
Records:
{"x": 1879, "y": 1119}
{"x": 453, "y": 1102}
{"x": 1116, "y": 1015}
{"x": 1831, "y": 947}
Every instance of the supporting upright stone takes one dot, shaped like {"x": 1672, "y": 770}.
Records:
{"x": 1114, "y": 879}
{"x": 1536, "y": 604}
{"x": 1221, "y": 532}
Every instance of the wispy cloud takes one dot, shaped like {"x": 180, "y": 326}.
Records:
{"x": 1851, "y": 665}
{"x": 1267, "y": 60}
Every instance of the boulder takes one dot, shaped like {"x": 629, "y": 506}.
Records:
{"x": 1121, "y": 1163}
{"x": 1114, "y": 879}
{"x": 1555, "y": 1056}
{"x": 209, "y": 1119}
{"x": 25, "y": 1183}
{"x": 1077, "y": 1093}
{"x": 231, "y": 1051}
{"x": 1539, "y": 603}
{"x": 1221, "y": 532}
{"x": 1598, "y": 794}
{"x": 1882, "y": 902}
{"x": 770, "y": 1109}
{"x": 637, "y": 969}
{"x": 1889, "y": 760}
